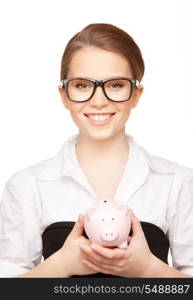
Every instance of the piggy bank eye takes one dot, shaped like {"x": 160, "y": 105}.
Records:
{"x": 105, "y": 201}
{"x": 113, "y": 219}
{"x": 102, "y": 219}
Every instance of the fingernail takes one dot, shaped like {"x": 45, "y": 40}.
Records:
{"x": 93, "y": 246}
{"x": 80, "y": 216}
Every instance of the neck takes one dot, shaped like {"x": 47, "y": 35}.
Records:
{"x": 93, "y": 151}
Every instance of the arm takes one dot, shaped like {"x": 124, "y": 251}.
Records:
{"x": 138, "y": 261}
{"x": 67, "y": 261}
{"x": 20, "y": 214}
{"x": 50, "y": 267}
{"x": 160, "y": 269}
{"x": 180, "y": 218}
{"x": 20, "y": 236}
{"x": 135, "y": 261}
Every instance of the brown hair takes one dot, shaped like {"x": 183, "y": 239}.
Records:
{"x": 107, "y": 37}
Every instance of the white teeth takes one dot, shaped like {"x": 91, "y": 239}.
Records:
{"x": 99, "y": 117}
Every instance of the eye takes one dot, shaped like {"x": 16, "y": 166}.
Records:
{"x": 102, "y": 219}
{"x": 116, "y": 85}
{"x": 113, "y": 219}
{"x": 81, "y": 85}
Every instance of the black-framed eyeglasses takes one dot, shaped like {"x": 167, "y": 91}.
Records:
{"x": 118, "y": 89}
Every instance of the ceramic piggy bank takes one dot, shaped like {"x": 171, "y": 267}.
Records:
{"x": 107, "y": 223}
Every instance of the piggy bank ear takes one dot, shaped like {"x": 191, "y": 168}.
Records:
{"x": 124, "y": 209}
{"x": 90, "y": 212}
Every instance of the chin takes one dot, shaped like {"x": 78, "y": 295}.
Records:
{"x": 100, "y": 136}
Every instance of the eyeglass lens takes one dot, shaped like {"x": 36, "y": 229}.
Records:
{"x": 115, "y": 89}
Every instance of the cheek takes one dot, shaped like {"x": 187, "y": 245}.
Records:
{"x": 76, "y": 109}
{"x": 76, "y": 119}
{"x": 126, "y": 107}
{"x": 125, "y": 112}
{"x": 76, "y": 114}
{"x": 123, "y": 108}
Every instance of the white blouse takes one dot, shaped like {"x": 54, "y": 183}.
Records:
{"x": 158, "y": 190}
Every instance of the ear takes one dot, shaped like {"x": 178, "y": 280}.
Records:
{"x": 90, "y": 211}
{"x": 63, "y": 97}
{"x": 124, "y": 209}
{"x": 136, "y": 96}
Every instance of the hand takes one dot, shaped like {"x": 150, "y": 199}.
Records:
{"x": 135, "y": 261}
{"x": 70, "y": 256}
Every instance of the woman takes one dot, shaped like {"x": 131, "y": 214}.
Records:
{"x": 101, "y": 71}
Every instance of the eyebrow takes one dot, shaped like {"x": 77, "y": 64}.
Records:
{"x": 111, "y": 77}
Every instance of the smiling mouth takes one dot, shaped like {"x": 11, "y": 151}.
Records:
{"x": 99, "y": 117}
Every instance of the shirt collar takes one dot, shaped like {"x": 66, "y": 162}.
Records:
{"x": 65, "y": 163}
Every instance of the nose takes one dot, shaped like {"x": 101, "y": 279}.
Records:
{"x": 99, "y": 98}
{"x": 109, "y": 235}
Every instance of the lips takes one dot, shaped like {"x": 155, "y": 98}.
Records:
{"x": 99, "y": 119}
{"x": 99, "y": 116}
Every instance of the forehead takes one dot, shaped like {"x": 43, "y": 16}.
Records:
{"x": 96, "y": 63}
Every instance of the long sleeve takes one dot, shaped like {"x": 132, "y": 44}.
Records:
{"x": 20, "y": 236}
{"x": 181, "y": 229}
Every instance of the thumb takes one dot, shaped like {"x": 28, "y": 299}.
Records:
{"x": 78, "y": 227}
{"x": 135, "y": 224}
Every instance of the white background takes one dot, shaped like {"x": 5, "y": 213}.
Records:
{"x": 33, "y": 121}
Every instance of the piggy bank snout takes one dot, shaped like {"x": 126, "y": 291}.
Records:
{"x": 109, "y": 235}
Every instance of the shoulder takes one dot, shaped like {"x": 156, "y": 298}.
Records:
{"x": 48, "y": 169}
{"x": 180, "y": 175}
{"x": 21, "y": 192}
{"x": 27, "y": 176}
{"x": 163, "y": 165}
{"x": 178, "y": 169}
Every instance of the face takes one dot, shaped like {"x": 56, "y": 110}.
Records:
{"x": 95, "y": 63}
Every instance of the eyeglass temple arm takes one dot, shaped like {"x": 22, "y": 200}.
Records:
{"x": 61, "y": 83}
{"x": 137, "y": 83}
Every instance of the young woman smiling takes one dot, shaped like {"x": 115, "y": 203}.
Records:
{"x": 101, "y": 72}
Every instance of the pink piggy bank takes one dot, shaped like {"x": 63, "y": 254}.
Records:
{"x": 107, "y": 222}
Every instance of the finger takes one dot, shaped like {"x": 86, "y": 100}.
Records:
{"x": 110, "y": 269}
{"x": 93, "y": 267}
{"x": 78, "y": 227}
{"x": 129, "y": 239}
{"x": 108, "y": 252}
{"x": 136, "y": 226}
{"x": 94, "y": 256}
